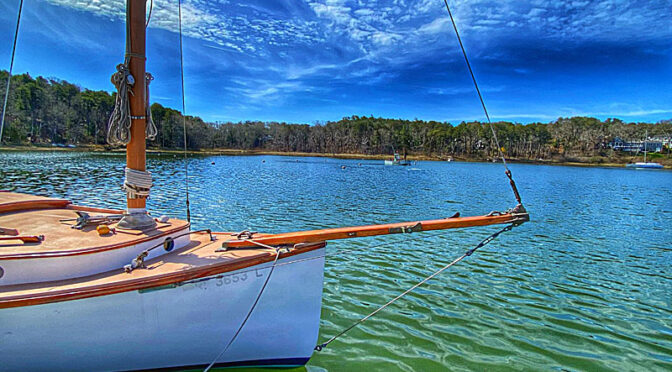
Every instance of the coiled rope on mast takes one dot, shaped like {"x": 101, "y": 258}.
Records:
{"x": 11, "y": 67}
{"x": 119, "y": 125}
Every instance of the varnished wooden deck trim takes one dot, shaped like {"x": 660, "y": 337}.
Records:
{"x": 32, "y": 204}
{"x": 146, "y": 282}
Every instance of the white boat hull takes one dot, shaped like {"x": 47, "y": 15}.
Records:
{"x": 182, "y": 326}
{"x": 647, "y": 165}
{"x": 400, "y": 162}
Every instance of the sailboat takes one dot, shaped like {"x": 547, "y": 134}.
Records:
{"x": 85, "y": 288}
{"x": 645, "y": 164}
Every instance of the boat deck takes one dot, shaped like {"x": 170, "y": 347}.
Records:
{"x": 35, "y": 215}
{"x": 196, "y": 260}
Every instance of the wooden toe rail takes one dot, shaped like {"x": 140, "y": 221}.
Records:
{"x": 374, "y": 230}
{"x": 13, "y": 202}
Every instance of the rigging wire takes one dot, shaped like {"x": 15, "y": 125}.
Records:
{"x": 11, "y": 66}
{"x": 184, "y": 110}
{"x": 149, "y": 16}
{"x": 254, "y": 305}
{"x": 485, "y": 241}
{"x": 263, "y": 287}
{"x": 345, "y": 259}
{"x": 480, "y": 97}
{"x": 468, "y": 253}
{"x": 275, "y": 264}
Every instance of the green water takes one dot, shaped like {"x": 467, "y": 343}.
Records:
{"x": 586, "y": 285}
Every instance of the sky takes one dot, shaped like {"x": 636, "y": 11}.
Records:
{"x": 320, "y": 60}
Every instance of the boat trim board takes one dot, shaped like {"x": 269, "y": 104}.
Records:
{"x": 148, "y": 282}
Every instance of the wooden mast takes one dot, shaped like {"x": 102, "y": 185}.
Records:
{"x": 135, "y": 150}
{"x": 136, "y": 217}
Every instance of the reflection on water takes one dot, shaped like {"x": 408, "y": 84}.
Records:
{"x": 586, "y": 285}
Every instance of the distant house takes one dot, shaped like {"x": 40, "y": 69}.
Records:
{"x": 652, "y": 144}
{"x": 619, "y": 144}
{"x": 666, "y": 141}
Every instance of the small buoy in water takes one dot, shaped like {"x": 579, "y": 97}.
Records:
{"x": 103, "y": 229}
{"x": 342, "y": 166}
{"x": 263, "y": 161}
{"x": 360, "y": 164}
{"x": 213, "y": 163}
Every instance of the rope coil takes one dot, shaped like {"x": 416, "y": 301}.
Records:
{"x": 137, "y": 183}
{"x": 150, "y": 128}
{"x": 119, "y": 125}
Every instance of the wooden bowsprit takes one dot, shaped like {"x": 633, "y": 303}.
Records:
{"x": 516, "y": 216}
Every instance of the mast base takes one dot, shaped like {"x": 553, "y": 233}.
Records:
{"x": 137, "y": 219}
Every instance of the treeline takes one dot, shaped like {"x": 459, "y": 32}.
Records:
{"x": 43, "y": 111}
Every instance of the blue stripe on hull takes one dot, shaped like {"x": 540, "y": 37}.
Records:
{"x": 272, "y": 363}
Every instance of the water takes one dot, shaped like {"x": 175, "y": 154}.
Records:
{"x": 586, "y": 285}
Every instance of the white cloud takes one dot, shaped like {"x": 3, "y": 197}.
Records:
{"x": 383, "y": 26}
{"x": 335, "y": 13}
{"x": 382, "y": 38}
{"x": 438, "y": 25}
{"x": 237, "y": 31}
{"x": 390, "y": 33}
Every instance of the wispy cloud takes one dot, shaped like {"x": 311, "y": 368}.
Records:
{"x": 278, "y": 55}
{"x": 380, "y": 29}
{"x": 617, "y": 113}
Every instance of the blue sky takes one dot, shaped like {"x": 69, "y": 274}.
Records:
{"x": 307, "y": 61}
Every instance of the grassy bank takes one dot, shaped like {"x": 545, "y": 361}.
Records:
{"x": 618, "y": 160}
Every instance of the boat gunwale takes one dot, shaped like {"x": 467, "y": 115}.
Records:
{"x": 148, "y": 282}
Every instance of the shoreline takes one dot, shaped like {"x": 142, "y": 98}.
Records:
{"x": 238, "y": 152}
